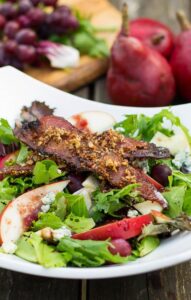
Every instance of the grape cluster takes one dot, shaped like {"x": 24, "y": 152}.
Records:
{"x": 25, "y": 22}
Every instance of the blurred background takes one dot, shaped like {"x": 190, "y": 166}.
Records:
{"x": 36, "y": 33}
{"x": 162, "y": 10}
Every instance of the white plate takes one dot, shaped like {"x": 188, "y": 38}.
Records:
{"x": 18, "y": 89}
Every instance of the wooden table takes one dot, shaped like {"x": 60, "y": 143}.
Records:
{"x": 169, "y": 284}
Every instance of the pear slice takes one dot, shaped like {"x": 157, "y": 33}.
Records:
{"x": 18, "y": 215}
{"x": 93, "y": 121}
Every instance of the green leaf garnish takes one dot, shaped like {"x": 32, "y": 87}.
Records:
{"x": 112, "y": 201}
{"x": 147, "y": 245}
{"x": 76, "y": 204}
{"x": 23, "y": 154}
{"x": 142, "y": 127}
{"x": 6, "y": 133}
{"x": 46, "y": 171}
{"x": 48, "y": 219}
{"x": 79, "y": 224}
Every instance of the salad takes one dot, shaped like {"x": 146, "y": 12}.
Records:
{"x": 77, "y": 193}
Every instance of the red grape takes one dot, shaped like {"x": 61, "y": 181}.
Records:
{"x": 8, "y": 10}
{"x": 11, "y": 28}
{"x": 15, "y": 62}
{"x": 10, "y": 46}
{"x": 160, "y": 173}
{"x": 36, "y": 16}
{"x": 26, "y": 36}
{"x": 54, "y": 18}
{"x": 35, "y": 2}
{"x": 26, "y": 54}
{"x": 4, "y": 56}
{"x": 2, "y": 21}
{"x": 61, "y": 22}
{"x": 23, "y": 21}
{"x": 120, "y": 246}
{"x": 75, "y": 183}
{"x": 24, "y": 6}
{"x": 44, "y": 31}
{"x": 70, "y": 22}
{"x": 64, "y": 9}
{"x": 50, "y": 2}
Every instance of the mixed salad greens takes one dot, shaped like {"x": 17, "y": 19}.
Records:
{"x": 79, "y": 222}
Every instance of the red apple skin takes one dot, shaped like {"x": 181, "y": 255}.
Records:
{"x": 153, "y": 34}
{"x": 124, "y": 229}
{"x": 138, "y": 75}
{"x": 181, "y": 65}
{"x": 158, "y": 186}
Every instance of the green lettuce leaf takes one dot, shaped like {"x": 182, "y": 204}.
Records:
{"x": 33, "y": 248}
{"x": 46, "y": 171}
{"x": 6, "y": 133}
{"x": 25, "y": 249}
{"x": 48, "y": 219}
{"x": 79, "y": 224}
{"x": 23, "y": 154}
{"x": 147, "y": 245}
{"x": 76, "y": 204}
{"x": 143, "y": 127}
{"x": 89, "y": 253}
{"x": 175, "y": 198}
{"x": 187, "y": 202}
{"x": 74, "y": 223}
{"x": 112, "y": 201}
{"x": 78, "y": 253}
{"x": 179, "y": 178}
{"x": 59, "y": 206}
{"x": 11, "y": 188}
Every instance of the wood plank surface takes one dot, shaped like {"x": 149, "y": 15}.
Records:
{"x": 132, "y": 288}
{"x": 170, "y": 284}
{"x": 15, "y": 286}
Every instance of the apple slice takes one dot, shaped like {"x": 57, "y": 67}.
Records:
{"x": 147, "y": 206}
{"x": 18, "y": 215}
{"x": 160, "y": 218}
{"x": 93, "y": 121}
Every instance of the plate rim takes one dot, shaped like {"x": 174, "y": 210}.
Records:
{"x": 128, "y": 269}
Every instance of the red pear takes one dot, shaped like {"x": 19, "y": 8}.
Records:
{"x": 181, "y": 59}
{"x": 153, "y": 34}
{"x": 138, "y": 75}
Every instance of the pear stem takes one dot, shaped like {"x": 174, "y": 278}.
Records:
{"x": 183, "y": 21}
{"x": 157, "y": 39}
{"x": 125, "y": 20}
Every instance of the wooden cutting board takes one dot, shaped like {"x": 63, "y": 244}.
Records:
{"x": 103, "y": 14}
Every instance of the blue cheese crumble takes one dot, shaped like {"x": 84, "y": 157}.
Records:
{"x": 182, "y": 159}
{"x": 47, "y": 200}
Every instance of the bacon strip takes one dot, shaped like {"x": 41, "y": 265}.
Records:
{"x": 34, "y": 112}
{"x": 132, "y": 148}
{"x": 16, "y": 170}
{"x": 86, "y": 152}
